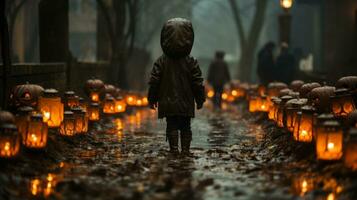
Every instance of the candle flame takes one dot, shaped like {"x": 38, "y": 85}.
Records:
{"x": 34, "y": 137}
{"x": 7, "y": 146}
{"x": 46, "y": 115}
{"x": 330, "y": 145}
{"x": 234, "y": 92}
{"x": 303, "y": 133}
{"x": 210, "y": 94}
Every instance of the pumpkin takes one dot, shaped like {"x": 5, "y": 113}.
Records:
{"x": 274, "y": 88}
{"x": 284, "y": 92}
{"x": 25, "y": 95}
{"x": 348, "y": 82}
{"x": 320, "y": 98}
{"x": 110, "y": 89}
{"x": 296, "y": 85}
{"x": 306, "y": 89}
{"x": 6, "y": 117}
{"x": 94, "y": 85}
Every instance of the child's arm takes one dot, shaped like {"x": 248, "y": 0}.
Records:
{"x": 197, "y": 84}
{"x": 154, "y": 84}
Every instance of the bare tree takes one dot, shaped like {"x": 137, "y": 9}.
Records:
{"x": 248, "y": 40}
{"x": 120, "y": 18}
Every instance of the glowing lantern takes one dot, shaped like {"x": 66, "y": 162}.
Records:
{"x": 320, "y": 120}
{"x": 139, "y": 102}
{"x": 120, "y": 105}
{"x": 85, "y": 121}
{"x": 303, "y": 183}
{"x": 342, "y": 103}
{"x": 273, "y": 108}
{"x": 131, "y": 100}
{"x": 329, "y": 141}
{"x": 51, "y": 108}
{"x": 303, "y": 127}
{"x": 94, "y": 88}
{"x": 68, "y": 124}
{"x": 262, "y": 104}
{"x": 79, "y": 118}
{"x": 351, "y": 150}
{"x": 253, "y": 104}
{"x": 280, "y": 115}
{"x": 286, "y": 4}
{"x": 22, "y": 119}
{"x": 37, "y": 133}
{"x": 9, "y": 141}
{"x": 109, "y": 105}
{"x": 145, "y": 101}
{"x": 83, "y": 104}
{"x": 93, "y": 112}
{"x": 70, "y": 99}
{"x": 224, "y": 96}
{"x": 291, "y": 108}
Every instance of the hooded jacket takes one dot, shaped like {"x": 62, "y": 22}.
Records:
{"x": 176, "y": 81}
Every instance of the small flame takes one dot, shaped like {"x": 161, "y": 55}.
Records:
{"x": 330, "y": 146}
{"x": 303, "y": 133}
{"x": 46, "y": 115}
{"x": 234, "y": 92}
{"x": 33, "y": 137}
{"x": 7, "y": 146}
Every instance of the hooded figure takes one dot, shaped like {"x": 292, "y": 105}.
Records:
{"x": 176, "y": 83}
{"x": 218, "y": 76}
{"x": 266, "y": 63}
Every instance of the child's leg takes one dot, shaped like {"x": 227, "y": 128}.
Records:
{"x": 186, "y": 134}
{"x": 172, "y": 128}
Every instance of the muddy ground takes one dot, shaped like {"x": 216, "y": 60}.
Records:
{"x": 236, "y": 155}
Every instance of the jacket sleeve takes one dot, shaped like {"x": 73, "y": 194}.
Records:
{"x": 197, "y": 83}
{"x": 154, "y": 82}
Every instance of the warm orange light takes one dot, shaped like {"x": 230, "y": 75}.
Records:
{"x": 51, "y": 107}
{"x": 342, "y": 103}
{"x": 286, "y": 4}
{"x": 35, "y": 187}
{"x": 139, "y": 102}
{"x": 210, "y": 93}
{"x": 234, "y": 93}
{"x": 303, "y": 126}
{"x": 94, "y": 97}
{"x": 224, "y": 96}
{"x": 145, "y": 101}
{"x": 109, "y": 105}
{"x": 9, "y": 141}
{"x": 68, "y": 124}
{"x": 37, "y": 133}
{"x": 131, "y": 100}
{"x": 93, "y": 112}
{"x": 329, "y": 141}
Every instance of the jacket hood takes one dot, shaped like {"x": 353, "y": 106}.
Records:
{"x": 177, "y": 37}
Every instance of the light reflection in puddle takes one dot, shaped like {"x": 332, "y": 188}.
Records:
{"x": 307, "y": 182}
{"x": 43, "y": 187}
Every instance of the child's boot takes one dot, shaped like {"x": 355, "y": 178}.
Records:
{"x": 186, "y": 138}
{"x": 173, "y": 141}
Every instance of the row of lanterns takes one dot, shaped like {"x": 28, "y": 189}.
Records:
{"x": 38, "y": 110}
{"x": 311, "y": 112}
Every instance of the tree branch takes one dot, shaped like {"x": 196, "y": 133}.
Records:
{"x": 238, "y": 22}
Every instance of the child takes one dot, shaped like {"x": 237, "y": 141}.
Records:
{"x": 176, "y": 83}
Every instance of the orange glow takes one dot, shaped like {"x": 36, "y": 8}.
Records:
{"x": 94, "y": 97}
{"x": 329, "y": 141}
{"x": 286, "y": 4}
{"x": 37, "y": 133}
{"x": 224, "y": 96}
{"x": 51, "y": 107}
{"x": 234, "y": 93}
{"x": 35, "y": 187}
{"x": 210, "y": 94}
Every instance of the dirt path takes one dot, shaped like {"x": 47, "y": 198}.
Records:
{"x": 126, "y": 158}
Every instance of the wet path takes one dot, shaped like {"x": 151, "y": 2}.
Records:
{"x": 127, "y": 158}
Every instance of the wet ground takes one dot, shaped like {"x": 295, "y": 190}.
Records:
{"x": 126, "y": 157}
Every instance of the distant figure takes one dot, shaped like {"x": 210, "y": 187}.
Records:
{"x": 176, "y": 83}
{"x": 285, "y": 64}
{"x": 266, "y": 64}
{"x": 218, "y": 76}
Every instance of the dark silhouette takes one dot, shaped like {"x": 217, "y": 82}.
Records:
{"x": 176, "y": 83}
{"x": 218, "y": 76}
{"x": 285, "y": 64}
{"x": 266, "y": 63}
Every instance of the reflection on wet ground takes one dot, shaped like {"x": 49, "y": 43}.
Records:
{"x": 128, "y": 159}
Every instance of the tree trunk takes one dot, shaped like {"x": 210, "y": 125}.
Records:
{"x": 249, "y": 43}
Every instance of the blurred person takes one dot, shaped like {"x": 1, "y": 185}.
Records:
{"x": 285, "y": 65}
{"x": 176, "y": 83}
{"x": 218, "y": 76}
{"x": 266, "y": 63}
